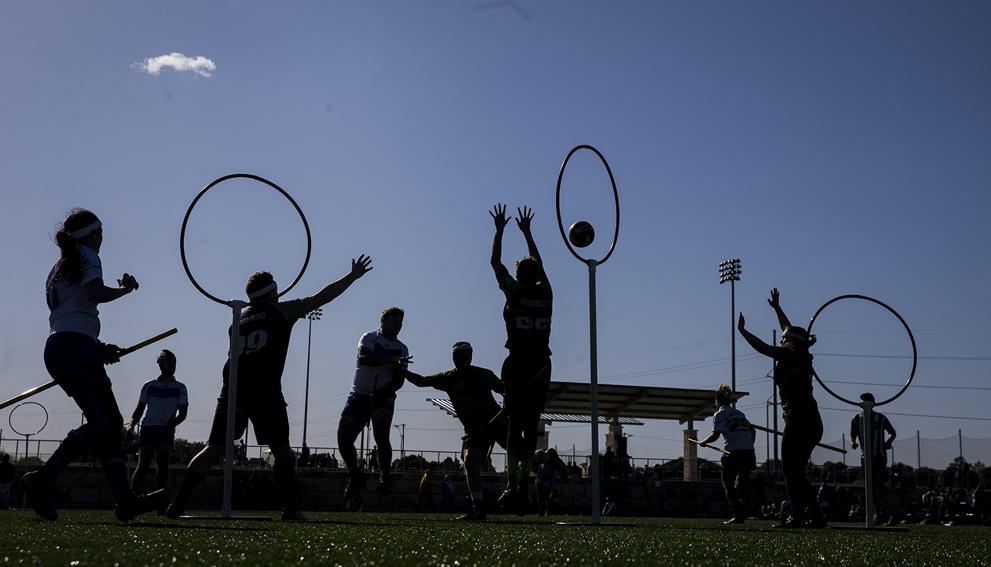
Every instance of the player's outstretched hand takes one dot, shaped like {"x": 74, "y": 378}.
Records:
{"x": 110, "y": 353}
{"x": 773, "y": 301}
{"x": 361, "y": 266}
{"x": 404, "y": 360}
{"x": 523, "y": 218}
{"x": 128, "y": 282}
{"x": 741, "y": 323}
{"x": 498, "y": 214}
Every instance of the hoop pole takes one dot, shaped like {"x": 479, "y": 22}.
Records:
{"x": 866, "y": 444}
{"x": 594, "y": 393}
{"x": 236, "y": 307}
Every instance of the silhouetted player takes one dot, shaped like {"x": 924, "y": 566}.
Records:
{"x": 378, "y": 375}
{"x": 266, "y": 325}
{"x": 738, "y": 435}
{"x": 526, "y": 372}
{"x": 167, "y": 402}
{"x": 803, "y": 425}
{"x": 470, "y": 388}
{"x": 879, "y": 455}
{"x": 75, "y": 359}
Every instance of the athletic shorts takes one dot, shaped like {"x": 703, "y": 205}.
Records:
{"x": 526, "y": 377}
{"x": 484, "y": 436}
{"x": 270, "y": 421}
{"x": 156, "y": 435}
{"x": 362, "y": 406}
{"x": 75, "y": 362}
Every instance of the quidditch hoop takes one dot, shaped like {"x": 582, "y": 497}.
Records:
{"x": 182, "y": 233}
{"x": 10, "y": 419}
{"x": 615, "y": 193}
{"x": 915, "y": 354}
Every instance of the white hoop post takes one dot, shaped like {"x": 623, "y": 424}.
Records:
{"x": 865, "y": 432}
{"x": 594, "y": 393}
{"x": 236, "y": 307}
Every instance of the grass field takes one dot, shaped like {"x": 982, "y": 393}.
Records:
{"x": 95, "y": 538}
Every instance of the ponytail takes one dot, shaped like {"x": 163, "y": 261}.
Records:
{"x": 69, "y": 265}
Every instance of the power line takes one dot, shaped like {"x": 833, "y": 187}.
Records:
{"x": 951, "y": 417}
{"x": 902, "y": 356}
{"x": 678, "y": 368}
{"x": 977, "y": 388}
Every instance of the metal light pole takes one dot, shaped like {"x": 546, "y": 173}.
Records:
{"x": 729, "y": 271}
{"x": 312, "y": 316}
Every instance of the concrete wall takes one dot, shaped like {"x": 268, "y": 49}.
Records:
{"x": 85, "y": 487}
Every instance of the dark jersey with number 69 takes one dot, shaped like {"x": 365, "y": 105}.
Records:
{"x": 527, "y": 314}
{"x": 264, "y": 342}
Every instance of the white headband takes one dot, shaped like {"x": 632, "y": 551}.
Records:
{"x": 461, "y": 346}
{"x": 263, "y": 291}
{"x": 85, "y": 231}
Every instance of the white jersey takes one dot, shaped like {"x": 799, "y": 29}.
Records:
{"x": 162, "y": 399}
{"x": 367, "y": 379}
{"x": 734, "y": 427}
{"x": 70, "y": 311}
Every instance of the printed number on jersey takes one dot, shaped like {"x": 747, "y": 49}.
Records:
{"x": 532, "y": 323}
{"x": 253, "y": 342}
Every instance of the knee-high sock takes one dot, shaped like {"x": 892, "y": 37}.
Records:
{"x": 285, "y": 482}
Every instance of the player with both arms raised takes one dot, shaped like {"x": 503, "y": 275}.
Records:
{"x": 526, "y": 372}
{"x": 266, "y": 325}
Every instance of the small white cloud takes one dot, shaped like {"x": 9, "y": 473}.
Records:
{"x": 178, "y": 62}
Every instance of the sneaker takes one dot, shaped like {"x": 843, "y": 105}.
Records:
{"x": 40, "y": 491}
{"x": 138, "y": 505}
{"x": 475, "y": 515}
{"x": 293, "y": 516}
{"x": 513, "y": 502}
{"x": 733, "y": 520}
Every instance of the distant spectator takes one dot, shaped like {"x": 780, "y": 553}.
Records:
{"x": 609, "y": 508}
{"x": 426, "y": 496}
{"x": 547, "y": 466}
{"x": 447, "y": 493}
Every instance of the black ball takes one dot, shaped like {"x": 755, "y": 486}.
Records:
{"x": 581, "y": 234}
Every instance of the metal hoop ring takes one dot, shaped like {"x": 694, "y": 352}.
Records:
{"x": 915, "y": 353}
{"x": 10, "y": 419}
{"x": 615, "y": 193}
{"x": 185, "y": 220}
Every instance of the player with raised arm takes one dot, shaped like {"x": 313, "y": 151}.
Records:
{"x": 75, "y": 359}
{"x": 738, "y": 435}
{"x": 167, "y": 402}
{"x": 379, "y": 373}
{"x": 803, "y": 424}
{"x": 526, "y": 372}
{"x": 266, "y": 325}
{"x": 470, "y": 389}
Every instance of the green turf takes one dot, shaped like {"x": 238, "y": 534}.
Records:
{"x": 95, "y": 538}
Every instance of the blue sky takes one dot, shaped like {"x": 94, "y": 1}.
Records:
{"x": 835, "y": 147}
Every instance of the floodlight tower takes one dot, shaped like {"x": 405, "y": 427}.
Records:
{"x": 729, "y": 271}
